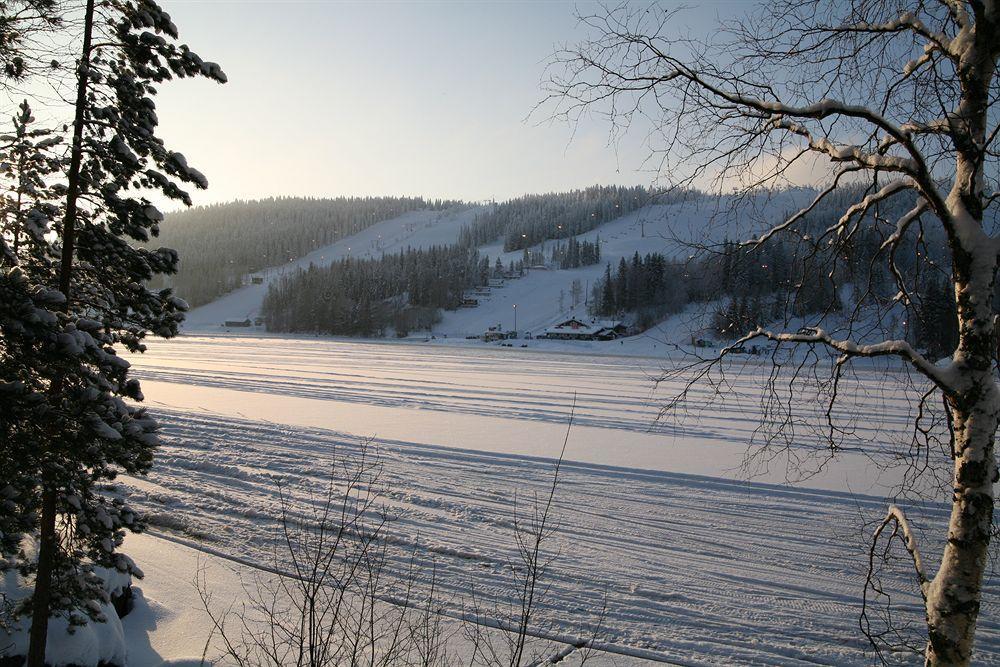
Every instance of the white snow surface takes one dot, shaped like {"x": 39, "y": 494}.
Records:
{"x": 697, "y": 565}
{"x": 169, "y": 627}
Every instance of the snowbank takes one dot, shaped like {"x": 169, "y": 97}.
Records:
{"x": 88, "y": 645}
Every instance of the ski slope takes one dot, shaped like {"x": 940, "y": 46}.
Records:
{"x": 657, "y": 228}
{"x": 668, "y": 229}
{"x": 664, "y": 550}
{"x": 416, "y": 229}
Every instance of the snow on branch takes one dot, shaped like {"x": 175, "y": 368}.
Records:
{"x": 944, "y": 125}
{"x": 862, "y": 207}
{"x": 848, "y": 153}
{"x": 895, "y": 516}
{"x": 903, "y": 224}
{"x": 906, "y": 21}
{"x": 849, "y": 349}
{"x": 957, "y": 10}
{"x": 892, "y": 243}
{"x": 801, "y": 213}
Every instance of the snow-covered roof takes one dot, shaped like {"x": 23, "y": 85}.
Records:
{"x": 580, "y": 326}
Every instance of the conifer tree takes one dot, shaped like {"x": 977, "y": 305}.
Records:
{"x": 73, "y": 293}
{"x": 27, "y": 162}
{"x": 608, "y": 304}
{"x": 935, "y": 327}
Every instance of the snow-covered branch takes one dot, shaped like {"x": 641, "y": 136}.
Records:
{"x": 958, "y": 12}
{"x": 801, "y": 213}
{"x": 903, "y": 224}
{"x": 848, "y": 153}
{"x": 893, "y": 243}
{"x": 895, "y": 515}
{"x": 907, "y": 21}
{"x": 862, "y": 207}
{"x": 849, "y": 349}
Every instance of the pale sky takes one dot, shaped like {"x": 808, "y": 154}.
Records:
{"x": 404, "y": 98}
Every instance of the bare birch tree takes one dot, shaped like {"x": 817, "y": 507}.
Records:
{"x": 899, "y": 96}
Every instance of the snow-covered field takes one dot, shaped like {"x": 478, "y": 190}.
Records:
{"x": 671, "y": 544}
{"x": 696, "y": 564}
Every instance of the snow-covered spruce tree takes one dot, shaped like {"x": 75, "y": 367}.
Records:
{"x": 27, "y": 162}
{"x": 20, "y": 23}
{"x": 899, "y": 94}
{"x": 71, "y": 297}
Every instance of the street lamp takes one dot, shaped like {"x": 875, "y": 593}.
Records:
{"x": 515, "y": 320}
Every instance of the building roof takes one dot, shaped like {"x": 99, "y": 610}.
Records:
{"x": 576, "y": 325}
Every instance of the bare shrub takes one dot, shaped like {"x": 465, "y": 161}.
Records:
{"x": 329, "y": 598}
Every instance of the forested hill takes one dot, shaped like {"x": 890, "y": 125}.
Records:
{"x": 220, "y": 244}
{"x": 628, "y": 269}
{"x": 435, "y": 266}
{"x": 526, "y": 221}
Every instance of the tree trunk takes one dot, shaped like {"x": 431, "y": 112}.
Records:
{"x": 953, "y": 597}
{"x": 40, "y": 600}
{"x": 48, "y": 542}
{"x": 954, "y": 594}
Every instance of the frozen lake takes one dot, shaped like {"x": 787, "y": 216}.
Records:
{"x": 697, "y": 564}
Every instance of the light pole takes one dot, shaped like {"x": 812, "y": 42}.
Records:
{"x": 515, "y": 320}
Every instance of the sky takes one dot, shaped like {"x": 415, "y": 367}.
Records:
{"x": 387, "y": 98}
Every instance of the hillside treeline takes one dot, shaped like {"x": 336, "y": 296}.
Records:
{"x": 573, "y": 254}
{"x": 532, "y": 219}
{"x": 792, "y": 276}
{"x": 365, "y": 297}
{"x": 220, "y": 244}
{"x": 644, "y": 289}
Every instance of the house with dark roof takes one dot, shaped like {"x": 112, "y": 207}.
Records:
{"x": 580, "y": 329}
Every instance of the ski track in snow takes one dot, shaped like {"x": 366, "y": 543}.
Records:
{"x": 695, "y": 569}
{"x": 607, "y": 392}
